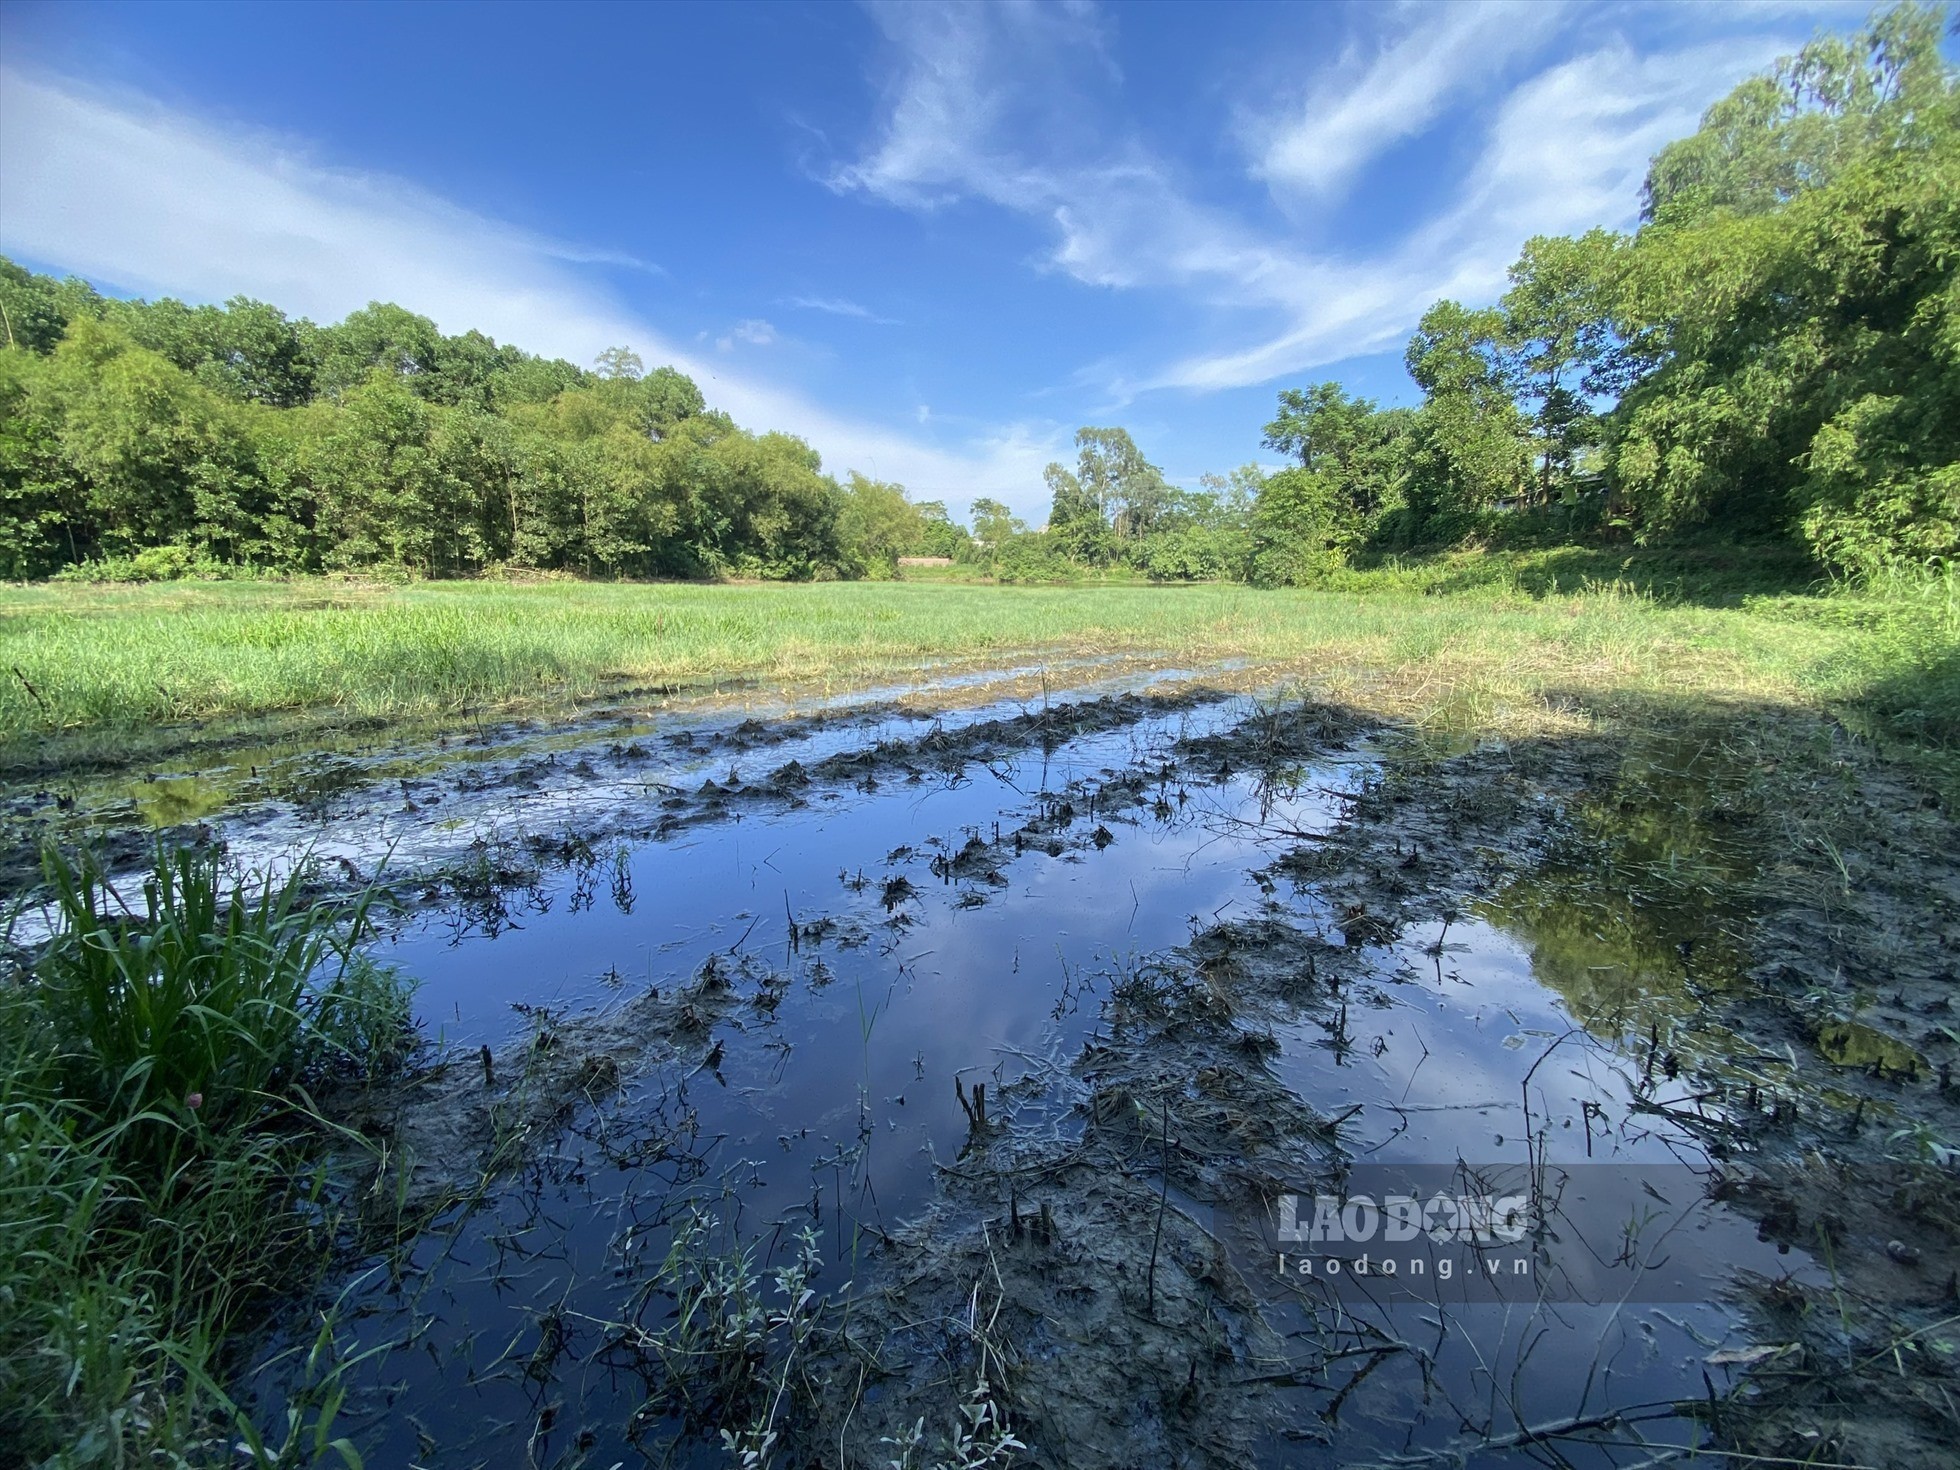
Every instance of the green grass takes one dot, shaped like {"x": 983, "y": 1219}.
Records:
{"x": 162, "y": 1170}
{"x": 103, "y": 670}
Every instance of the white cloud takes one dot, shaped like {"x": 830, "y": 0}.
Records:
{"x": 836, "y": 306}
{"x": 1378, "y": 96}
{"x": 1567, "y": 151}
{"x": 128, "y": 192}
{"x": 752, "y": 332}
{"x": 971, "y": 79}
{"x": 986, "y": 105}
{"x": 974, "y": 85}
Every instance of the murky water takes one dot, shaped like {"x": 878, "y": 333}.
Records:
{"x": 873, "y": 966}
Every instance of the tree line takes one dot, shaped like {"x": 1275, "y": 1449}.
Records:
{"x": 147, "y": 438}
{"x": 1773, "y": 353}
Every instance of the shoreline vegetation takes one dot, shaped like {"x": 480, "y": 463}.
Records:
{"x": 109, "y": 675}
{"x": 166, "y": 1171}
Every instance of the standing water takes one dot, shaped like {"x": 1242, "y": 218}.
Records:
{"x": 972, "y": 1014}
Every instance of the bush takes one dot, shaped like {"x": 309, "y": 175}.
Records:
{"x": 1032, "y": 558}
{"x": 1194, "y": 554}
{"x": 157, "y": 564}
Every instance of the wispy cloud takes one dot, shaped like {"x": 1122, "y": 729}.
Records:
{"x": 970, "y": 80}
{"x": 1566, "y": 151}
{"x": 990, "y": 104}
{"x": 993, "y": 103}
{"x": 835, "y": 306}
{"x": 130, "y": 193}
{"x": 1388, "y": 89}
{"x": 585, "y": 255}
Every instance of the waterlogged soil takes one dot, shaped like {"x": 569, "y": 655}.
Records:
{"x": 1027, "y": 1008}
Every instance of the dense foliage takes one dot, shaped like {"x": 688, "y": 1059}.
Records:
{"x": 144, "y": 438}
{"x": 1774, "y": 354}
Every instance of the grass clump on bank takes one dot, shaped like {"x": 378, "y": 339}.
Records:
{"x": 164, "y": 1167}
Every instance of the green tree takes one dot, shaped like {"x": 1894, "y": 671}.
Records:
{"x": 938, "y": 533}
{"x": 876, "y": 524}
{"x": 1129, "y": 492}
{"x": 1561, "y": 352}
{"x": 35, "y": 310}
{"x": 1301, "y": 528}
{"x": 1794, "y": 304}
{"x": 379, "y": 335}
{"x": 1467, "y": 446}
{"x": 381, "y": 494}
{"x": 151, "y": 455}
{"x": 38, "y": 496}
{"x": 1350, "y": 443}
{"x": 993, "y": 523}
{"x": 620, "y": 364}
{"x": 662, "y": 399}
{"x": 1835, "y": 104}
{"x": 1075, "y": 519}
{"x": 1206, "y": 535}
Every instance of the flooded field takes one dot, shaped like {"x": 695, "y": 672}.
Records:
{"x": 950, "y": 1080}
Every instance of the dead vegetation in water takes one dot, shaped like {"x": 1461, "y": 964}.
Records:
{"x": 1818, "y": 972}
{"x": 476, "y": 1112}
{"x": 1065, "y": 1292}
{"x": 1132, "y": 1335}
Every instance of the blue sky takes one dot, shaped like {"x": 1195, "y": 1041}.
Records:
{"x": 933, "y": 239}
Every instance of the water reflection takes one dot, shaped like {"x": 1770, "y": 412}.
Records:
{"x": 874, "y": 962}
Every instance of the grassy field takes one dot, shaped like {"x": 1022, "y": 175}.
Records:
{"x": 98, "y": 671}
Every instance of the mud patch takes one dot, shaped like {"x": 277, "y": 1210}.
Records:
{"x": 1018, "y": 1016}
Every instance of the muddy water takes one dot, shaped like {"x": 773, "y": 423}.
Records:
{"x": 874, "y": 937}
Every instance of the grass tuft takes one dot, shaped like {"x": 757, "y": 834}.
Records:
{"x": 203, "y": 1001}
{"x": 162, "y": 1170}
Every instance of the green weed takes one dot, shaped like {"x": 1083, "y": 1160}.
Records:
{"x": 201, "y": 1000}
{"x": 162, "y": 1170}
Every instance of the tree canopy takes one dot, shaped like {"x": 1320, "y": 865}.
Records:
{"x": 1774, "y": 352}
{"x": 239, "y": 436}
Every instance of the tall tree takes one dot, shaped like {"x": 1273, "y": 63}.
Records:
{"x": 1075, "y": 516}
{"x": 1794, "y": 301}
{"x": 619, "y": 363}
{"x": 993, "y": 522}
{"x": 876, "y": 524}
{"x": 1561, "y": 352}
{"x": 1837, "y": 102}
{"x": 1469, "y": 445}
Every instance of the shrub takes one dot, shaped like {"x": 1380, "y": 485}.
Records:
{"x": 1032, "y": 557}
{"x": 155, "y": 564}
